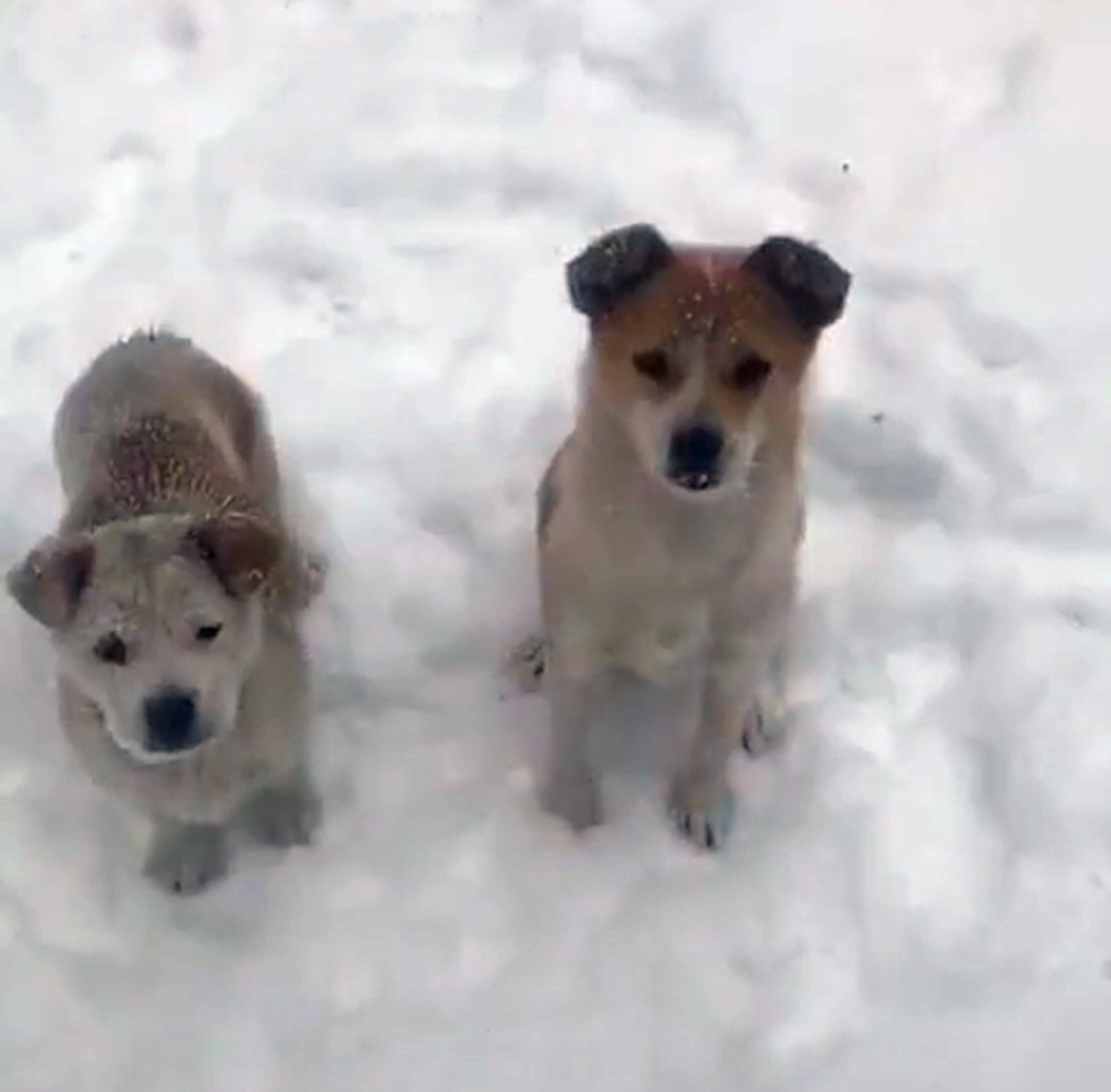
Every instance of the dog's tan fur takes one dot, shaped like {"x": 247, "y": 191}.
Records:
{"x": 637, "y": 574}
{"x": 167, "y": 465}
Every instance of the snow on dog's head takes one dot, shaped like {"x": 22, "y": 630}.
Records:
{"x": 701, "y": 350}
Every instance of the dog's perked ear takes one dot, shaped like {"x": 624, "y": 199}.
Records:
{"x": 49, "y": 581}
{"x": 613, "y": 266}
{"x": 811, "y": 284}
{"x": 241, "y": 550}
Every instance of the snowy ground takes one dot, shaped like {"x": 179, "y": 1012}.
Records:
{"x": 365, "y": 205}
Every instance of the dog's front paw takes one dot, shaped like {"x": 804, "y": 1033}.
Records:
{"x": 284, "y": 815}
{"x": 527, "y": 662}
{"x": 312, "y": 576}
{"x": 702, "y": 811}
{"x": 186, "y": 859}
{"x": 764, "y": 730}
{"x": 574, "y": 797}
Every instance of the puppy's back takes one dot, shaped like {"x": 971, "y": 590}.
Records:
{"x": 156, "y": 424}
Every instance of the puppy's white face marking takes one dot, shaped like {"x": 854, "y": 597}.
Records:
{"x": 703, "y": 370}
{"x": 158, "y": 645}
{"x": 718, "y": 462}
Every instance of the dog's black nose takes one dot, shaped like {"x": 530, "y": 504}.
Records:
{"x": 171, "y": 720}
{"x": 694, "y": 457}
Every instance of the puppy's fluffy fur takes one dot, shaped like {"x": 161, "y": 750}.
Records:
{"x": 668, "y": 522}
{"x": 172, "y": 592}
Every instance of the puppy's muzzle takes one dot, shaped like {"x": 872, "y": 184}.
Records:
{"x": 171, "y": 722}
{"x": 695, "y": 457}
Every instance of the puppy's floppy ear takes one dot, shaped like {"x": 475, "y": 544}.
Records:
{"x": 241, "y": 550}
{"x": 49, "y": 581}
{"x": 614, "y": 265}
{"x": 812, "y": 285}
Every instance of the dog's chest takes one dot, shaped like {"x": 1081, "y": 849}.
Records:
{"x": 658, "y": 639}
{"x": 655, "y": 599}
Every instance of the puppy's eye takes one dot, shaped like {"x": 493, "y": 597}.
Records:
{"x": 653, "y": 365}
{"x": 110, "y": 649}
{"x": 207, "y": 634}
{"x": 750, "y": 371}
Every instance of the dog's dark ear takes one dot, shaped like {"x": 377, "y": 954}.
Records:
{"x": 812, "y": 285}
{"x": 49, "y": 581}
{"x": 614, "y": 265}
{"x": 241, "y": 550}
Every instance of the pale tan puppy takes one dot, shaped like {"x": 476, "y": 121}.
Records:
{"x": 173, "y": 591}
{"x": 669, "y": 520}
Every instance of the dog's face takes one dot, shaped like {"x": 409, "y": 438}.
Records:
{"x": 156, "y": 620}
{"x": 701, "y": 351}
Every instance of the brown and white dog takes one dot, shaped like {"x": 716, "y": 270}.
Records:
{"x": 669, "y": 520}
{"x": 173, "y": 592}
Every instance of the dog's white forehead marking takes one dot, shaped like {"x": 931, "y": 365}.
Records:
{"x": 718, "y": 265}
{"x": 718, "y": 297}
{"x": 712, "y": 267}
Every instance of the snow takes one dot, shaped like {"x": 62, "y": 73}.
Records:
{"x": 365, "y": 205}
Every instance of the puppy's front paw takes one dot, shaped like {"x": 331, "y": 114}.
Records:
{"x": 764, "y": 730}
{"x": 702, "y": 811}
{"x": 312, "y": 576}
{"x": 284, "y": 815}
{"x": 186, "y": 859}
{"x": 573, "y": 796}
{"x": 526, "y": 664}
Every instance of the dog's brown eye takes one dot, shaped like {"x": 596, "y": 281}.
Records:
{"x": 653, "y": 365}
{"x": 207, "y": 634}
{"x": 750, "y": 372}
{"x": 110, "y": 649}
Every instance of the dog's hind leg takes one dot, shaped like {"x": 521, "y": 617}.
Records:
{"x": 765, "y": 726}
{"x": 528, "y": 660}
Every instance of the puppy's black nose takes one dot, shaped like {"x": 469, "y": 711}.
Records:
{"x": 694, "y": 457}
{"x": 171, "y": 720}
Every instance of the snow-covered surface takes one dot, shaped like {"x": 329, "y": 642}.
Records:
{"x": 365, "y": 205}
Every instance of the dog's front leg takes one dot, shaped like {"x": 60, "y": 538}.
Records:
{"x": 570, "y": 788}
{"x": 185, "y": 858}
{"x": 740, "y": 663}
{"x": 284, "y": 814}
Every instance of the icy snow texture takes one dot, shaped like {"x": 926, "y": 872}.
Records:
{"x": 365, "y": 205}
